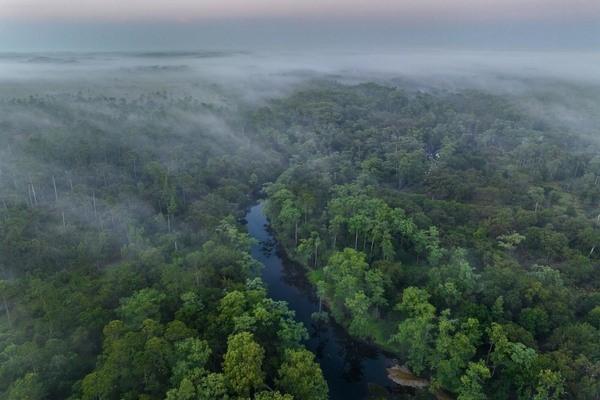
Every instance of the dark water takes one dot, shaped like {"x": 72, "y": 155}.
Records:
{"x": 349, "y": 367}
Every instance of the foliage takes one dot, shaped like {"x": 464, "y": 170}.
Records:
{"x": 300, "y": 376}
{"x": 242, "y": 364}
{"x": 459, "y": 232}
{"x": 449, "y": 227}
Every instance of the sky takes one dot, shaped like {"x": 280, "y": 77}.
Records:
{"x": 184, "y": 24}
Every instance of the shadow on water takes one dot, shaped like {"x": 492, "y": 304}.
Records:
{"x": 349, "y": 366}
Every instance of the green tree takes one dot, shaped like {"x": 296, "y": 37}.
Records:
{"x": 200, "y": 387}
{"x": 472, "y": 382}
{"x": 266, "y": 395}
{"x": 242, "y": 364}
{"x": 143, "y": 304}
{"x": 359, "y": 305}
{"x": 415, "y": 332}
{"x": 28, "y": 387}
{"x": 550, "y": 386}
{"x": 515, "y": 359}
{"x": 290, "y": 217}
{"x": 300, "y": 376}
{"x": 455, "y": 346}
{"x": 191, "y": 356}
{"x": 309, "y": 248}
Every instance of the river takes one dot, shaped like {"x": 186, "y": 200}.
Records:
{"x": 349, "y": 366}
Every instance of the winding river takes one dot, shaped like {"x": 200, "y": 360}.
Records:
{"x": 350, "y": 367}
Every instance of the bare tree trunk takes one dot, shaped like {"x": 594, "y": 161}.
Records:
{"x": 29, "y": 199}
{"x": 94, "y": 204}
{"x": 296, "y": 234}
{"x": 33, "y": 192}
{"x": 55, "y": 191}
{"x": 372, "y": 245}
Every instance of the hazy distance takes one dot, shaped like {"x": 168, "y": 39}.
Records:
{"x": 65, "y": 25}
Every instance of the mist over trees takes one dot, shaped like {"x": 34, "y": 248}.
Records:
{"x": 452, "y": 221}
{"x": 453, "y": 229}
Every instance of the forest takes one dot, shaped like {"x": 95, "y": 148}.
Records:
{"x": 449, "y": 228}
{"x": 452, "y": 228}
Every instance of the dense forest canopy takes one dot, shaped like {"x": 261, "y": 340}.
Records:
{"x": 456, "y": 227}
{"x": 450, "y": 228}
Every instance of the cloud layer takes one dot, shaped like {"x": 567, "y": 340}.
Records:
{"x": 407, "y": 11}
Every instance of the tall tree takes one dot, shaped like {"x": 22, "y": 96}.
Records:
{"x": 301, "y": 376}
{"x": 242, "y": 364}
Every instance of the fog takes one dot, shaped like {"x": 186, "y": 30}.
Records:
{"x": 197, "y": 101}
{"x": 255, "y": 72}
{"x": 565, "y": 80}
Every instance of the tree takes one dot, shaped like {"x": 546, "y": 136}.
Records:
{"x": 472, "y": 381}
{"x": 290, "y": 217}
{"x": 415, "y": 303}
{"x": 516, "y": 359}
{"x": 28, "y": 387}
{"x": 359, "y": 309}
{"x": 143, "y": 304}
{"x": 550, "y": 386}
{"x": 242, "y": 364}
{"x": 212, "y": 386}
{"x": 415, "y": 333}
{"x": 510, "y": 241}
{"x": 348, "y": 273}
{"x": 536, "y": 194}
{"x": 300, "y": 376}
{"x": 200, "y": 387}
{"x": 309, "y": 248}
{"x": 375, "y": 287}
{"x": 5, "y": 290}
{"x": 454, "y": 282}
{"x": 273, "y": 396}
{"x": 185, "y": 391}
{"x": 593, "y": 317}
{"x": 191, "y": 356}
{"x": 342, "y": 276}
{"x": 455, "y": 345}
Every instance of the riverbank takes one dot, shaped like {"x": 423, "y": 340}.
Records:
{"x": 380, "y": 345}
{"x": 381, "y": 330}
{"x": 352, "y": 368}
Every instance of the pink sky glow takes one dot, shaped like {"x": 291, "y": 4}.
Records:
{"x": 401, "y": 10}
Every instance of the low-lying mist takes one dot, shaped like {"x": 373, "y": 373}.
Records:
{"x": 561, "y": 85}
{"x": 62, "y": 113}
{"x": 125, "y": 177}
